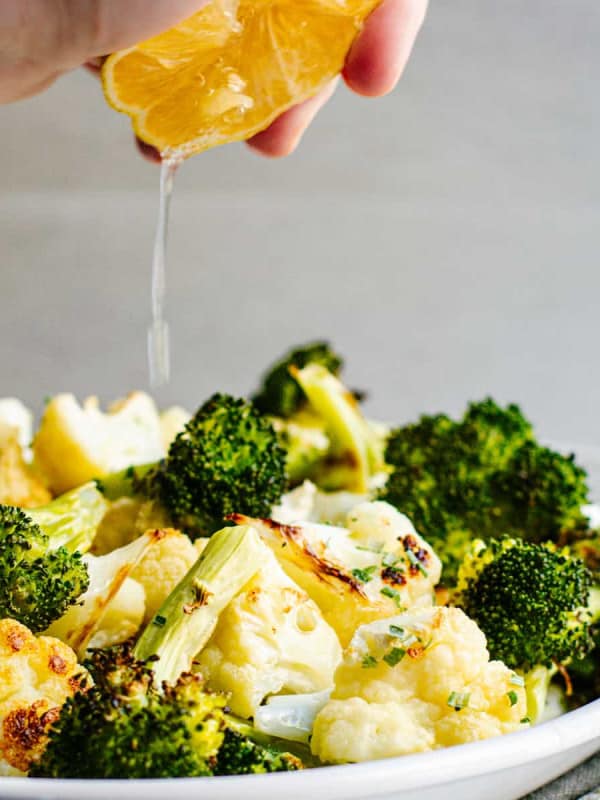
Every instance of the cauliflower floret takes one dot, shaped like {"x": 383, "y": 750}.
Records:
{"x": 77, "y": 443}
{"x": 19, "y": 485}
{"x": 16, "y": 415}
{"x": 270, "y": 639}
{"x": 163, "y": 567}
{"x": 418, "y": 681}
{"x": 123, "y": 617}
{"x": 37, "y": 675}
{"x": 369, "y": 570}
{"x": 172, "y": 421}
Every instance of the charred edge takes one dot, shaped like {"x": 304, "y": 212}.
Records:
{"x": 410, "y": 543}
{"x": 16, "y": 640}
{"x": 24, "y": 729}
{"x": 101, "y": 604}
{"x": 57, "y": 664}
{"x": 322, "y": 568}
{"x": 393, "y": 576}
{"x": 202, "y": 596}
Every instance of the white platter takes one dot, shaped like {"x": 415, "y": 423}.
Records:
{"x": 505, "y": 768}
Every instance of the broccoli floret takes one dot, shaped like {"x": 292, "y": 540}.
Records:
{"x": 280, "y": 394}
{"x": 240, "y": 755}
{"x": 41, "y": 570}
{"x": 584, "y": 672}
{"x": 123, "y": 726}
{"x": 530, "y": 600}
{"x": 541, "y": 493}
{"x": 227, "y": 458}
{"x": 479, "y": 477}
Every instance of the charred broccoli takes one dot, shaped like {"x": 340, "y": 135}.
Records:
{"x": 123, "y": 726}
{"x": 280, "y": 394}
{"x": 41, "y": 570}
{"x": 482, "y": 476}
{"x": 227, "y": 458}
{"x": 127, "y": 723}
{"x": 530, "y": 600}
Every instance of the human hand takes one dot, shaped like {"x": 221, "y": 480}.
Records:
{"x": 42, "y": 39}
{"x": 373, "y": 67}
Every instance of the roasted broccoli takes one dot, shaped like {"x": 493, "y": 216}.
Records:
{"x": 480, "y": 477}
{"x": 584, "y": 672}
{"x": 530, "y": 600}
{"x": 280, "y": 394}
{"x": 123, "y": 726}
{"x": 355, "y": 454}
{"x": 241, "y": 755}
{"x": 41, "y": 569}
{"x": 228, "y": 458}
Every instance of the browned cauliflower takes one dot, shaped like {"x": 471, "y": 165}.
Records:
{"x": 374, "y": 567}
{"x": 19, "y": 485}
{"x": 37, "y": 675}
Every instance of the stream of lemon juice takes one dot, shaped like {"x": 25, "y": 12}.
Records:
{"x": 159, "y": 348}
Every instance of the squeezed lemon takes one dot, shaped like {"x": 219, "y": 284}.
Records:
{"x": 228, "y": 71}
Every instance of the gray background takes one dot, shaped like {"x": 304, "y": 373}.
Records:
{"x": 444, "y": 237}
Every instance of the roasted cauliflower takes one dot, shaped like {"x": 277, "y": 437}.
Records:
{"x": 271, "y": 638}
{"x": 76, "y": 443}
{"x": 37, "y": 675}
{"x": 163, "y": 567}
{"x": 19, "y": 483}
{"x": 415, "y": 682}
{"x": 371, "y": 569}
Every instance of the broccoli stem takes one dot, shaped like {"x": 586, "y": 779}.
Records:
{"x": 71, "y": 520}
{"x": 188, "y": 616}
{"x": 125, "y": 483}
{"x": 352, "y": 439}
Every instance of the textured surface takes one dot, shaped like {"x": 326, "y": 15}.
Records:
{"x": 583, "y": 779}
{"x": 444, "y": 237}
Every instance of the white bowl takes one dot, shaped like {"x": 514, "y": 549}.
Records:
{"x": 505, "y": 768}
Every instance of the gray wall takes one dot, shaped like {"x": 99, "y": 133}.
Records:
{"x": 444, "y": 237}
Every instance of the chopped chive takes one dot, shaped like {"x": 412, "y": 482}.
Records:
{"x": 365, "y": 574}
{"x": 416, "y": 563}
{"x": 369, "y": 662}
{"x": 396, "y": 630}
{"x": 409, "y": 640}
{"x": 525, "y": 721}
{"x": 387, "y": 591}
{"x": 395, "y": 656}
{"x": 517, "y": 680}
{"x": 513, "y": 698}
{"x": 159, "y": 621}
{"x": 458, "y": 700}
{"x": 390, "y": 560}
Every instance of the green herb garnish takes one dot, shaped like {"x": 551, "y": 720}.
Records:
{"x": 365, "y": 574}
{"x": 395, "y": 656}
